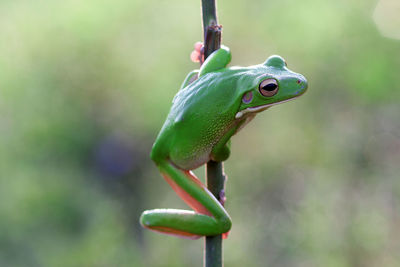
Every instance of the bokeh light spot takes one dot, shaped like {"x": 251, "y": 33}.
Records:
{"x": 387, "y": 18}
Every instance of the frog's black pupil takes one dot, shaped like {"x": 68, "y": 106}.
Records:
{"x": 270, "y": 87}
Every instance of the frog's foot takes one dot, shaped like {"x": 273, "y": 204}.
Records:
{"x": 220, "y": 153}
{"x": 222, "y": 149}
{"x": 197, "y": 54}
{"x": 208, "y": 218}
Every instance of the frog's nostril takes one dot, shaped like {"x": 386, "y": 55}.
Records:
{"x": 298, "y": 81}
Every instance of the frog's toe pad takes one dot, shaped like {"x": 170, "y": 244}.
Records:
{"x": 198, "y": 53}
{"x": 225, "y": 235}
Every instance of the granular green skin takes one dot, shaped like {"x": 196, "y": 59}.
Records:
{"x": 204, "y": 115}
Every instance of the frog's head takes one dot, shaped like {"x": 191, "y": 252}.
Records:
{"x": 269, "y": 84}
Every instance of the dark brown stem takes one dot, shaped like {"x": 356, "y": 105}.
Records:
{"x": 211, "y": 29}
{"x": 212, "y": 39}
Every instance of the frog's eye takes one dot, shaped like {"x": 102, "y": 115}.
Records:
{"x": 268, "y": 87}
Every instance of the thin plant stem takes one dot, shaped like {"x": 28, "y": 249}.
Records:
{"x": 213, "y": 256}
{"x": 215, "y": 177}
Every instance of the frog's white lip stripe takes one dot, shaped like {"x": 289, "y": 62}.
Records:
{"x": 258, "y": 108}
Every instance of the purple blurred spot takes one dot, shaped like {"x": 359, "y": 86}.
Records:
{"x": 115, "y": 156}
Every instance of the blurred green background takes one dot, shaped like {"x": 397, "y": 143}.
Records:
{"x": 86, "y": 85}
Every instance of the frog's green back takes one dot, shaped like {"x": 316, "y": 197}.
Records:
{"x": 208, "y": 108}
{"x": 200, "y": 115}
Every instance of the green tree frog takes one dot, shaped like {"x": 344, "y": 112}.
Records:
{"x": 213, "y": 104}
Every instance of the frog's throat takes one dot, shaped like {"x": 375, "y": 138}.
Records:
{"x": 260, "y": 108}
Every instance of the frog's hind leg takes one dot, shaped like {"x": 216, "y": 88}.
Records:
{"x": 180, "y": 223}
{"x": 209, "y": 217}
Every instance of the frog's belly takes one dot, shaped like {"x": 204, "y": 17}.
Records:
{"x": 189, "y": 159}
{"x": 191, "y": 146}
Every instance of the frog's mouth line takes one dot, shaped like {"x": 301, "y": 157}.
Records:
{"x": 261, "y": 108}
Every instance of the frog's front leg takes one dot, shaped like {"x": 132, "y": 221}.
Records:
{"x": 209, "y": 218}
{"x": 216, "y": 61}
{"x": 221, "y": 151}
{"x": 191, "y": 77}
